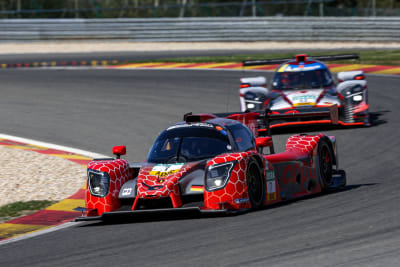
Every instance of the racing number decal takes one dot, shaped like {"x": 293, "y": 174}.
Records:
{"x": 334, "y": 113}
{"x": 271, "y": 185}
{"x": 163, "y": 170}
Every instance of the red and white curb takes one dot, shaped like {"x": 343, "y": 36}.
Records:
{"x": 115, "y": 64}
{"x": 55, "y": 216}
{"x": 371, "y": 69}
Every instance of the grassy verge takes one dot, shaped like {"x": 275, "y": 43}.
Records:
{"x": 17, "y": 209}
{"x": 373, "y": 57}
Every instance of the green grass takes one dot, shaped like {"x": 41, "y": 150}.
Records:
{"x": 22, "y": 208}
{"x": 373, "y": 57}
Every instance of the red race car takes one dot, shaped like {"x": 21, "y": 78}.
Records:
{"x": 212, "y": 164}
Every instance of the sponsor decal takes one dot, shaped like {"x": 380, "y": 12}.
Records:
{"x": 271, "y": 185}
{"x": 163, "y": 170}
{"x": 291, "y": 171}
{"x": 241, "y": 200}
{"x": 271, "y": 175}
{"x": 126, "y": 191}
{"x": 304, "y": 98}
{"x": 304, "y": 104}
{"x": 272, "y": 196}
{"x": 152, "y": 187}
{"x": 314, "y": 66}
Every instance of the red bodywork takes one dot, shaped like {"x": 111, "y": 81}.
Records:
{"x": 290, "y": 174}
{"x": 119, "y": 173}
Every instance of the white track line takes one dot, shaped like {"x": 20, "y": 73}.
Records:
{"x": 40, "y": 232}
{"x": 53, "y": 146}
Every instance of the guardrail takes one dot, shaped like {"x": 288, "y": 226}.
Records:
{"x": 205, "y": 29}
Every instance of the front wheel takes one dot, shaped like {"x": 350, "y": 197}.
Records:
{"x": 255, "y": 184}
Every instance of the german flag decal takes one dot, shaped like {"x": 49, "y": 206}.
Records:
{"x": 197, "y": 188}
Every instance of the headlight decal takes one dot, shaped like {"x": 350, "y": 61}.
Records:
{"x": 218, "y": 175}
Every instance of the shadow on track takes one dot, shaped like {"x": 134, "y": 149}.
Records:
{"x": 375, "y": 117}
{"x": 295, "y": 200}
{"x": 145, "y": 218}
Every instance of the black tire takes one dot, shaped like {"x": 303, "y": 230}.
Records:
{"x": 255, "y": 184}
{"x": 325, "y": 157}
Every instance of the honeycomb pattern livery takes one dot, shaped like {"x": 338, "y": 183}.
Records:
{"x": 156, "y": 187}
{"x": 234, "y": 195}
{"x": 303, "y": 143}
{"x": 119, "y": 174}
{"x": 156, "y": 183}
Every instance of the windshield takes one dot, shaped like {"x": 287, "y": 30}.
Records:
{"x": 188, "y": 144}
{"x": 302, "y": 80}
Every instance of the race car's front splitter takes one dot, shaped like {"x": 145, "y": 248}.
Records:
{"x": 157, "y": 212}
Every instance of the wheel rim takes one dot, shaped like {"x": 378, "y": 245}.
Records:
{"x": 326, "y": 164}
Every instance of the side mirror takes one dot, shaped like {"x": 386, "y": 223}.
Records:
{"x": 119, "y": 150}
{"x": 264, "y": 141}
{"x": 350, "y": 75}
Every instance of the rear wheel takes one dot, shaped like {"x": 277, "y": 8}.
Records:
{"x": 325, "y": 164}
{"x": 255, "y": 184}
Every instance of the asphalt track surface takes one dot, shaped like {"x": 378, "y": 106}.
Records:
{"x": 96, "y": 109}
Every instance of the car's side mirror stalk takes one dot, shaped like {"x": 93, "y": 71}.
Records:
{"x": 265, "y": 141}
{"x": 118, "y": 151}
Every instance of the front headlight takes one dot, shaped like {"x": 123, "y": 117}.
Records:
{"x": 250, "y": 105}
{"x": 354, "y": 94}
{"x": 357, "y": 98}
{"x": 218, "y": 175}
{"x": 99, "y": 183}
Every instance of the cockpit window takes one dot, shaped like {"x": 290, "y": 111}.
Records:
{"x": 185, "y": 144}
{"x": 243, "y": 137}
{"x": 302, "y": 80}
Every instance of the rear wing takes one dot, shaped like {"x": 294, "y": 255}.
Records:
{"x": 261, "y": 121}
{"x": 332, "y": 112}
{"x": 298, "y": 58}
